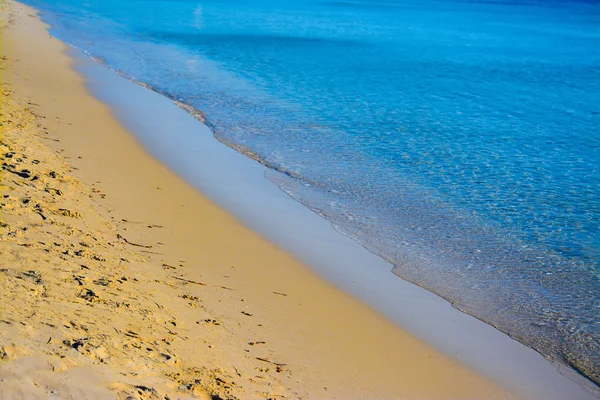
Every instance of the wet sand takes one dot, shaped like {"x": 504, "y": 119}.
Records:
{"x": 118, "y": 279}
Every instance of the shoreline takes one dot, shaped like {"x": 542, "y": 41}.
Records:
{"x": 251, "y": 219}
{"x": 189, "y": 258}
{"x": 240, "y": 185}
{"x": 266, "y": 230}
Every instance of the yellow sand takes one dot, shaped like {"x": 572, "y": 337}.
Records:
{"x": 117, "y": 279}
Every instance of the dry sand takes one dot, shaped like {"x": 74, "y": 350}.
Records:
{"x": 118, "y": 280}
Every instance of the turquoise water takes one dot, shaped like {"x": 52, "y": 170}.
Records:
{"x": 457, "y": 139}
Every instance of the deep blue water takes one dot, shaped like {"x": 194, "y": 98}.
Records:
{"x": 459, "y": 140}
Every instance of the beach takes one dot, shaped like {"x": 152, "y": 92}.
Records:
{"x": 119, "y": 280}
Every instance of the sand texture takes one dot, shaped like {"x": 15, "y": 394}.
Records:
{"x": 118, "y": 280}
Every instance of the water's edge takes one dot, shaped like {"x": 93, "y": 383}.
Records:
{"x": 311, "y": 238}
{"x": 543, "y": 335}
{"x": 276, "y": 173}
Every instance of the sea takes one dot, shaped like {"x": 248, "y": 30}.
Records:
{"x": 457, "y": 139}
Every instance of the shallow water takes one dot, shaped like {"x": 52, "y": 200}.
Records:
{"x": 458, "y": 140}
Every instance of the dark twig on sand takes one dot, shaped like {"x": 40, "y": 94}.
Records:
{"x": 271, "y": 362}
{"x": 188, "y": 281}
{"x": 131, "y": 243}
